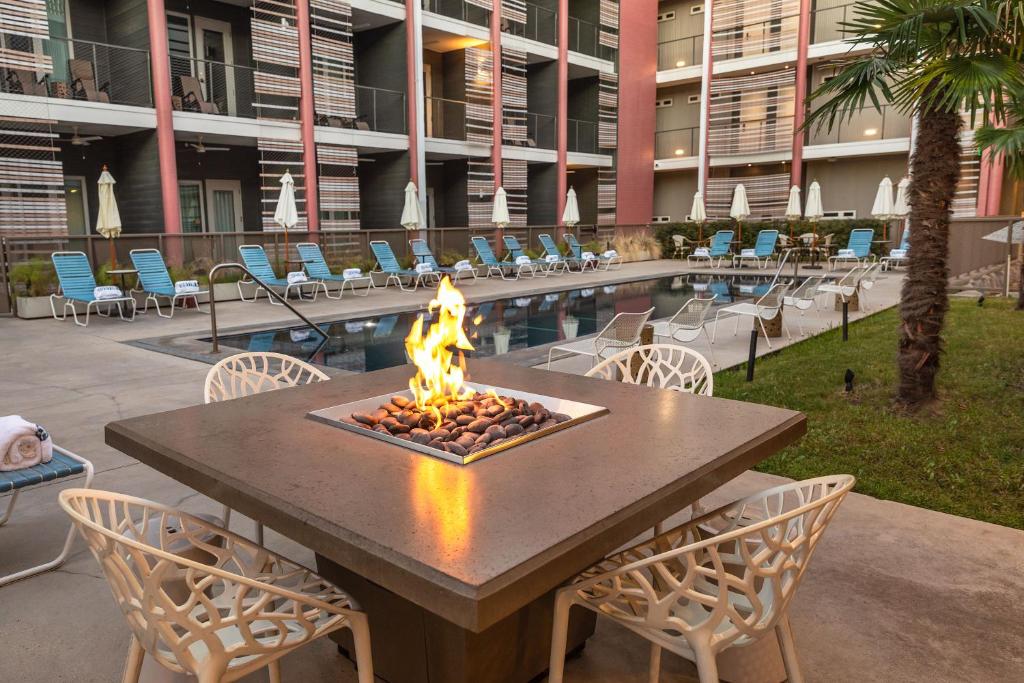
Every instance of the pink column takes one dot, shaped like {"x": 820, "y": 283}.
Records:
{"x": 161, "y": 72}
{"x": 802, "y": 45}
{"x": 990, "y": 184}
{"x": 638, "y": 62}
{"x": 562, "y": 164}
{"x": 307, "y": 116}
{"x": 411, "y": 77}
{"x": 496, "y": 98}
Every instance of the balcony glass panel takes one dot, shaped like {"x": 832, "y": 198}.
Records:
{"x": 208, "y": 87}
{"x": 582, "y": 136}
{"x": 541, "y": 25}
{"x": 445, "y": 118}
{"x": 867, "y": 124}
{"x": 676, "y": 54}
{"x": 459, "y": 9}
{"x": 677, "y": 144}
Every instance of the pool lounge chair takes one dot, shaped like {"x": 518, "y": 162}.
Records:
{"x": 255, "y": 259}
{"x": 516, "y": 254}
{"x": 767, "y": 307}
{"x": 604, "y": 260}
{"x": 155, "y": 281}
{"x": 406, "y": 279}
{"x": 720, "y": 248}
{"x": 764, "y": 249}
{"x": 317, "y": 269}
{"x": 623, "y": 332}
{"x": 78, "y": 285}
{"x": 858, "y": 248}
{"x": 421, "y": 250}
{"x": 900, "y": 255}
{"x": 551, "y": 250}
{"x": 505, "y": 269}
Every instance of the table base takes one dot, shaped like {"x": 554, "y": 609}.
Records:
{"x": 413, "y": 645}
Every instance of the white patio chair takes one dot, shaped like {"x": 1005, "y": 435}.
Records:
{"x": 765, "y": 308}
{"x": 678, "y": 246}
{"x": 846, "y": 286}
{"x": 723, "y": 580}
{"x": 664, "y": 366}
{"x": 255, "y": 372}
{"x": 804, "y": 297}
{"x": 688, "y": 324}
{"x": 64, "y": 464}
{"x": 867, "y": 282}
{"x": 621, "y": 333}
{"x": 236, "y": 609}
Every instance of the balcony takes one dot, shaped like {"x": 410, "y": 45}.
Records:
{"x": 458, "y": 9}
{"x": 209, "y": 87}
{"x": 582, "y": 136}
{"x": 584, "y": 39}
{"x": 377, "y": 109}
{"x": 80, "y": 70}
{"x": 541, "y": 25}
{"x": 541, "y": 130}
{"x": 828, "y": 21}
{"x": 751, "y": 40}
{"x": 677, "y": 143}
{"x": 754, "y": 136}
{"x": 445, "y": 118}
{"x": 865, "y": 126}
{"x": 679, "y": 53}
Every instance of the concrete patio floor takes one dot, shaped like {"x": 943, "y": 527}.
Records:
{"x": 895, "y": 593}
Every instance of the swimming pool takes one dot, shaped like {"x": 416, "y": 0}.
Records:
{"x": 374, "y": 343}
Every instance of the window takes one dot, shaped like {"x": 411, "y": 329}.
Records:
{"x": 693, "y": 99}
{"x": 190, "y": 196}
{"x": 77, "y": 205}
{"x": 848, "y": 213}
{"x": 662, "y": 219}
{"x": 179, "y": 45}
{"x": 666, "y": 16}
{"x": 697, "y": 9}
{"x": 659, "y": 104}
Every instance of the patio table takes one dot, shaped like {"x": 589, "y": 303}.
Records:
{"x": 455, "y": 565}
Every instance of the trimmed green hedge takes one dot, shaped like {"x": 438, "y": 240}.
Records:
{"x": 840, "y": 228}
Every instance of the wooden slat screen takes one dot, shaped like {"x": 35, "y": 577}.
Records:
{"x": 609, "y": 24}
{"x": 333, "y": 59}
{"x": 275, "y": 50}
{"x": 338, "y": 186}
{"x": 479, "y": 93}
{"x": 513, "y": 96}
{"x": 514, "y": 178}
{"x": 480, "y": 192}
{"x": 276, "y": 157}
{"x": 31, "y": 179}
{"x": 608, "y": 111}
{"x": 513, "y": 11}
{"x": 767, "y": 195}
{"x": 24, "y": 18}
{"x": 606, "y": 199}
{"x": 752, "y": 114}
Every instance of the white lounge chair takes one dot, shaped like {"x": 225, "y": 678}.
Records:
{"x": 804, "y": 297}
{"x": 765, "y": 308}
{"x": 688, "y": 324}
{"x": 621, "y": 333}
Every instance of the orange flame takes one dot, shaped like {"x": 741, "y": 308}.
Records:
{"x": 438, "y": 380}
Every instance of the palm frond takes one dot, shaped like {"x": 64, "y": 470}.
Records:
{"x": 1007, "y": 140}
{"x": 861, "y": 83}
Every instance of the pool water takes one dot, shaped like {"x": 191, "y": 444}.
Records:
{"x": 368, "y": 344}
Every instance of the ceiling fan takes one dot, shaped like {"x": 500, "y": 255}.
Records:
{"x": 80, "y": 141}
{"x": 200, "y": 148}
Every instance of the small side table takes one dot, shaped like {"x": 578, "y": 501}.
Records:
{"x": 123, "y": 273}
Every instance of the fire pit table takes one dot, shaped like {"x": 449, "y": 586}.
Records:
{"x": 456, "y": 564}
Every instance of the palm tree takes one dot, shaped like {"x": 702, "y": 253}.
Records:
{"x": 932, "y": 59}
{"x": 1008, "y": 141}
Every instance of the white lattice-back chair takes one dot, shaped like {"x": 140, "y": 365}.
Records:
{"x": 665, "y": 366}
{"x": 767, "y": 307}
{"x": 255, "y": 372}
{"x": 722, "y": 580}
{"x": 804, "y": 297}
{"x": 688, "y": 324}
{"x": 202, "y": 600}
{"x": 621, "y": 333}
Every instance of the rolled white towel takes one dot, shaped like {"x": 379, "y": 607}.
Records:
{"x": 702, "y": 251}
{"x": 846, "y": 253}
{"x": 586, "y": 293}
{"x": 355, "y": 326}
{"x": 898, "y": 253}
{"x": 351, "y": 273}
{"x": 296, "y": 277}
{"x": 104, "y": 292}
{"x": 299, "y": 336}
{"x": 588, "y": 256}
{"x": 422, "y": 268}
{"x": 611, "y": 253}
{"x": 748, "y": 253}
{"x": 186, "y": 286}
{"x": 552, "y": 258}
{"x": 464, "y": 264}
{"x": 523, "y": 260}
{"x": 23, "y": 444}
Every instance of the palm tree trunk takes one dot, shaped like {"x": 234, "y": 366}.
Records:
{"x": 1020, "y": 295}
{"x": 936, "y": 164}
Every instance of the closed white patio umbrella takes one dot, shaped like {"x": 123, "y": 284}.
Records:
{"x": 287, "y": 214}
{"x": 412, "y": 214}
{"x": 813, "y": 212}
{"x": 571, "y": 214}
{"x": 793, "y": 212}
{"x": 882, "y": 209}
{"x": 740, "y": 209}
{"x": 698, "y": 215}
{"x": 499, "y": 214}
{"x": 108, "y": 218}
{"x": 901, "y": 207}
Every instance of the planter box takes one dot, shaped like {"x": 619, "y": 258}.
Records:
{"x": 225, "y": 291}
{"x": 35, "y": 307}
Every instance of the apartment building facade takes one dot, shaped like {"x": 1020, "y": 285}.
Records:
{"x": 732, "y": 82}
{"x": 197, "y": 107}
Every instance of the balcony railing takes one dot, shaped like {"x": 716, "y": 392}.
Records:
{"x": 209, "y": 87}
{"x": 675, "y": 54}
{"x": 583, "y": 38}
{"x": 765, "y": 37}
{"x": 677, "y": 144}
{"x": 541, "y": 25}
{"x": 582, "y": 136}
{"x": 541, "y": 129}
{"x": 867, "y": 124}
{"x": 459, "y": 9}
{"x": 82, "y": 70}
{"x": 756, "y": 136}
{"x": 377, "y": 109}
{"x": 828, "y": 21}
{"x": 445, "y": 118}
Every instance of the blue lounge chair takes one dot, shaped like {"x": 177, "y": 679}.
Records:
{"x": 78, "y": 285}
{"x": 515, "y": 253}
{"x": 507, "y": 270}
{"x": 388, "y": 264}
{"x": 421, "y": 250}
{"x": 255, "y": 259}
{"x": 599, "y": 260}
{"x": 721, "y": 249}
{"x": 898, "y": 256}
{"x": 858, "y": 248}
{"x": 155, "y": 281}
{"x": 764, "y": 249}
{"x": 317, "y": 269}
{"x": 551, "y": 250}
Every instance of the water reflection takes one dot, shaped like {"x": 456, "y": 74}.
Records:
{"x": 441, "y": 495}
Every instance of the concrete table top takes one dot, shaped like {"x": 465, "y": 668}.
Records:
{"x": 471, "y": 543}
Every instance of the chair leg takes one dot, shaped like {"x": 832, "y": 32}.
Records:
{"x": 784, "y": 633}
{"x": 707, "y": 666}
{"x": 274, "y": 671}
{"x": 364, "y": 655}
{"x": 766, "y": 338}
{"x": 10, "y": 507}
{"x": 259, "y": 533}
{"x": 654, "y": 672}
{"x": 133, "y": 666}
{"x": 559, "y": 636}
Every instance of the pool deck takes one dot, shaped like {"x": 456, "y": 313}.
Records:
{"x": 884, "y": 600}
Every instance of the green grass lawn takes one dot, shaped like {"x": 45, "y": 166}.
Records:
{"x": 966, "y": 457}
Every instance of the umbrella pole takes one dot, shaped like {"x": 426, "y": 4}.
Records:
{"x": 113, "y": 255}
{"x": 286, "y": 251}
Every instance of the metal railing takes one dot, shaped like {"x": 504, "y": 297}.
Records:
{"x": 675, "y": 54}
{"x": 206, "y": 86}
{"x": 764, "y": 37}
{"x": 459, "y": 9}
{"x": 752, "y": 136}
{"x": 865, "y": 125}
{"x": 542, "y": 130}
{"x": 828, "y": 21}
{"x": 582, "y": 136}
{"x": 377, "y": 109}
{"x": 445, "y": 118}
{"x": 82, "y": 70}
{"x": 677, "y": 143}
{"x": 584, "y": 38}
{"x": 541, "y": 25}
